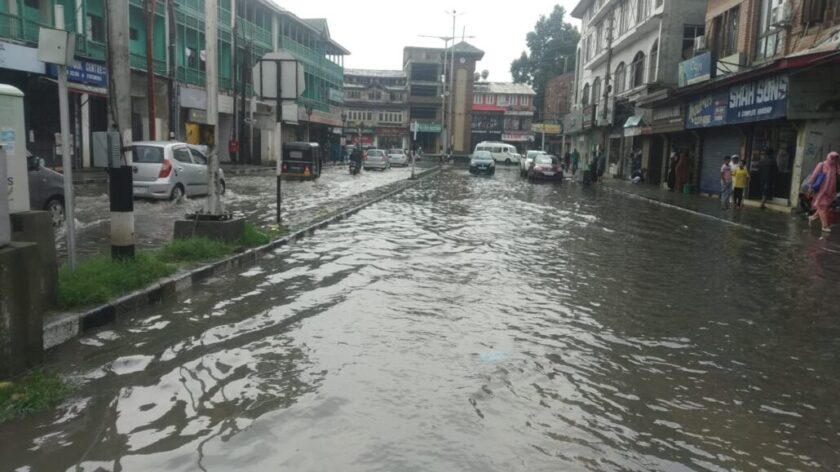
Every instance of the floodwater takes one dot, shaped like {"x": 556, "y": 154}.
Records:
{"x": 251, "y": 196}
{"x": 471, "y": 324}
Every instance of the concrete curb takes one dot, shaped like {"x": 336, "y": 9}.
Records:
{"x": 693, "y": 212}
{"x": 60, "y": 328}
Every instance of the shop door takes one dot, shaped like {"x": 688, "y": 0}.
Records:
{"x": 717, "y": 144}
{"x": 654, "y": 167}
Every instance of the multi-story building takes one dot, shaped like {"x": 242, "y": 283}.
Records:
{"x": 559, "y": 92}
{"x": 425, "y": 69}
{"x": 628, "y": 50}
{"x": 502, "y": 112}
{"x": 376, "y": 108}
{"x": 247, "y": 29}
{"x": 755, "y": 81}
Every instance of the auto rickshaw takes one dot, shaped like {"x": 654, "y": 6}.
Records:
{"x": 301, "y": 161}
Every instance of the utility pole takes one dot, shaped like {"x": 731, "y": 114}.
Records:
{"x": 233, "y": 68}
{"x": 444, "y": 93}
{"x": 211, "y": 17}
{"x": 121, "y": 178}
{"x": 451, "y": 87}
{"x": 174, "y": 108}
{"x": 607, "y": 143}
{"x": 149, "y": 7}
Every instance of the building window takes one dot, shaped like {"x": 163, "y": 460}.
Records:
{"x": 813, "y": 11}
{"x": 620, "y": 78}
{"x": 96, "y": 28}
{"x": 596, "y": 90}
{"x": 769, "y": 36}
{"x": 623, "y": 13}
{"x": 690, "y": 32}
{"x": 584, "y": 100}
{"x": 642, "y": 10}
{"x": 653, "y": 58}
{"x": 637, "y": 70}
{"x": 726, "y": 32}
{"x": 133, "y": 34}
{"x": 35, "y": 4}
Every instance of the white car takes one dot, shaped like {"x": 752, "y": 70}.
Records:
{"x": 398, "y": 157}
{"x": 502, "y": 153}
{"x": 169, "y": 170}
{"x": 377, "y": 159}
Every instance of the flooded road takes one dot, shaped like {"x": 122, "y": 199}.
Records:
{"x": 471, "y": 324}
{"x": 250, "y": 196}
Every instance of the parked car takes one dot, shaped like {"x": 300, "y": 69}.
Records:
{"x": 170, "y": 170}
{"x": 46, "y": 189}
{"x": 502, "y": 153}
{"x": 398, "y": 157}
{"x": 377, "y": 159}
{"x": 481, "y": 162}
{"x": 546, "y": 167}
{"x": 525, "y": 164}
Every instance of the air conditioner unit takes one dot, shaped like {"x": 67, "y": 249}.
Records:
{"x": 699, "y": 44}
{"x": 781, "y": 14}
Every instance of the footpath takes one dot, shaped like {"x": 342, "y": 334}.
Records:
{"x": 61, "y": 327}
{"x": 788, "y": 226}
{"x": 99, "y": 176}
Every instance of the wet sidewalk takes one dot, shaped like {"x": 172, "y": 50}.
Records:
{"x": 90, "y": 176}
{"x": 792, "y": 226}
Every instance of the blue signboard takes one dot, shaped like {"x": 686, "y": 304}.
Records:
{"x": 83, "y": 72}
{"x": 760, "y": 100}
{"x": 695, "y": 70}
{"x": 708, "y": 110}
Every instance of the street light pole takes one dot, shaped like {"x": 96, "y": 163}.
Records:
{"x": 451, "y": 88}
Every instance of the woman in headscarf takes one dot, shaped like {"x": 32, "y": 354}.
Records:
{"x": 681, "y": 172}
{"x": 826, "y": 194}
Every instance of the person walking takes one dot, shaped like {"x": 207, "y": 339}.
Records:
{"x": 725, "y": 182}
{"x": 672, "y": 172}
{"x": 575, "y": 161}
{"x": 740, "y": 178}
{"x": 567, "y": 161}
{"x": 681, "y": 172}
{"x": 767, "y": 170}
{"x": 824, "y": 187}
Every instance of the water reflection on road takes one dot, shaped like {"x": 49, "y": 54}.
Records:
{"x": 472, "y": 324}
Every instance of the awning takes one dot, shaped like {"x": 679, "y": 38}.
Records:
{"x": 491, "y": 108}
{"x": 634, "y": 122}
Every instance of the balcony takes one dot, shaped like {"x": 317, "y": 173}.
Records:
{"x": 91, "y": 49}
{"x": 17, "y": 28}
{"x": 138, "y": 62}
{"x": 255, "y": 33}
{"x": 191, "y": 76}
{"x": 331, "y": 70}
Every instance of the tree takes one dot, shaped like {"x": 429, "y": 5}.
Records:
{"x": 552, "y": 45}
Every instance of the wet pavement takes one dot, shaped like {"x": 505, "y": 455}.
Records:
{"x": 472, "y": 324}
{"x": 251, "y": 196}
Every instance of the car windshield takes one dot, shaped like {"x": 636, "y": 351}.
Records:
{"x": 547, "y": 160}
{"x": 147, "y": 154}
{"x": 482, "y": 156}
{"x": 375, "y": 153}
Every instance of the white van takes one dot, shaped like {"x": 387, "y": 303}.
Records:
{"x": 501, "y": 152}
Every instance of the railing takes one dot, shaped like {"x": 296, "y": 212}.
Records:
{"x": 18, "y": 28}
{"x": 315, "y": 104}
{"x": 90, "y": 49}
{"x": 225, "y": 83}
{"x": 138, "y": 62}
{"x": 332, "y": 70}
{"x": 253, "y": 32}
{"x": 191, "y": 76}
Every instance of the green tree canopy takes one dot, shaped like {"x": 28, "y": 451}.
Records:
{"x": 552, "y": 45}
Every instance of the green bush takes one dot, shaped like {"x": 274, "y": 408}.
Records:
{"x": 99, "y": 279}
{"x": 33, "y": 393}
{"x": 194, "y": 250}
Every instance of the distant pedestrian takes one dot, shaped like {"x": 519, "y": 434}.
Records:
{"x": 672, "y": 171}
{"x": 567, "y": 161}
{"x": 602, "y": 164}
{"x": 725, "y": 182}
{"x": 740, "y": 178}
{"x": 824, "y": 188}
{"x": 681, "y": 172}
{"x": 575, "y": 161}
{"x": 767, "y": 171}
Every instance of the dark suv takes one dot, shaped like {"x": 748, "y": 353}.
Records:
{"x": 46, "y": 189}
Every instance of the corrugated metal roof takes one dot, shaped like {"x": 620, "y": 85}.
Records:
{"x": 382, "y": 74}
{"x": 505, "y": 88}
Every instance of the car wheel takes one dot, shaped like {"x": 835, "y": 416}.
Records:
{"x": 177, "y": 193}
{"x": 55, "y": 207}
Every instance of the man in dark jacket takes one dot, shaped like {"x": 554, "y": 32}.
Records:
{"x": 767, "y": 171}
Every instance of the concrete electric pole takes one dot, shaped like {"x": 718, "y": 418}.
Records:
{"x": 211, "y": 61}
{"x": 121, "y": 178}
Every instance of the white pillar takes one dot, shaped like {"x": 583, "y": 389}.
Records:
{"x": 211, "y": 16}
{"x": 85, "y": 130}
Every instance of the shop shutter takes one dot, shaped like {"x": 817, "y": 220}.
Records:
{"x": 719, "y": 142}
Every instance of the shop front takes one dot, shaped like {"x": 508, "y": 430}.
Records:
{"x": 392, "y": 138}
{"x": 486, "y": 126}
{"x": 668, "y": 136}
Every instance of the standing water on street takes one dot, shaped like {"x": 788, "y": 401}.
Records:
{"x": 471, "y": 323}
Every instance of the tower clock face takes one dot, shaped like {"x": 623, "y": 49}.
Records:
{"x": 463, "y": 60}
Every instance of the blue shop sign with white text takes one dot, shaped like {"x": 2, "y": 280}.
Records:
{"x": 695, "y": 70}
{"x": 759, "y": 100}
{"x": 83, "y": 72}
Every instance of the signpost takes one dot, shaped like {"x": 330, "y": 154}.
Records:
{"x": 413, "y": 150}
{"x": 56, "y": 46}
{"x": 279, "y": 76}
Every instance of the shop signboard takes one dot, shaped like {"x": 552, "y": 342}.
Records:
{"x": 759, "y": 100}
{"x": 668, "y": 119}
{"x": 83, "y": 72}
{"x": 336, "y": 95}
{"x": 695, "y": 70}
{"x": 517, "y": 137}
{"x": 708, "y": 110}
{"x": 588, "y": 116}
{"x": 547, "y": 128}
{"x": 429, "y": 127}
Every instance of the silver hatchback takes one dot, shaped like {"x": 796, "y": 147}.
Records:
{"x": 170, "y": 170}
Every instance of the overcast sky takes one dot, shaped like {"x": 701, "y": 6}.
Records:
{"x": 375, "y": 31}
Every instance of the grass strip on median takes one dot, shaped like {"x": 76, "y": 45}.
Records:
{"x": 32, "y": 393}
{"x": 99, "y": 279}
